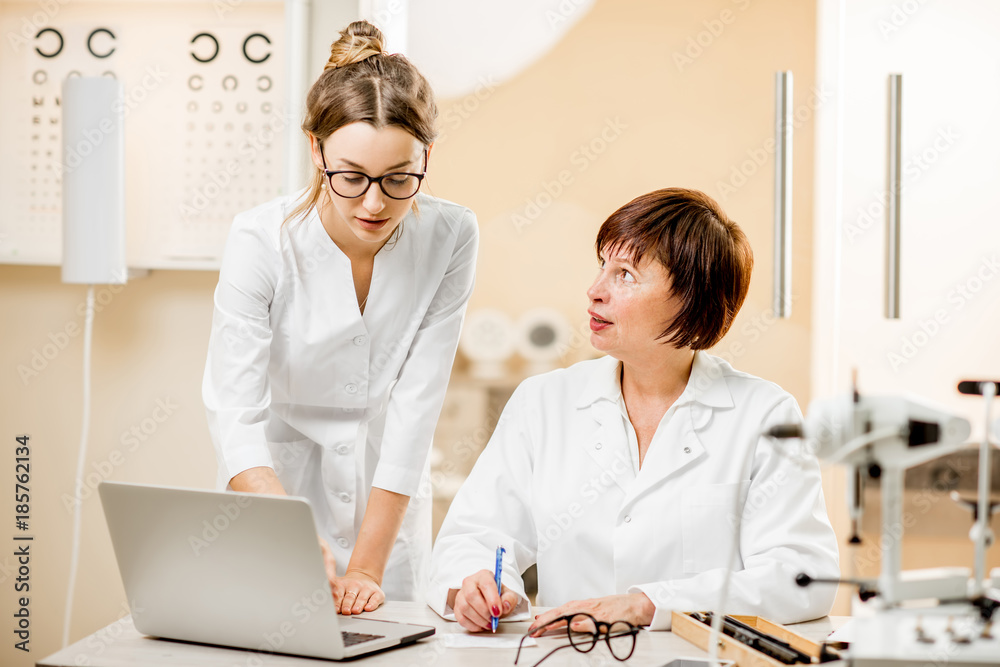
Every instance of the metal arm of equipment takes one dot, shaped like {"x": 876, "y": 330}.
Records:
{"x": 887, "y": 434}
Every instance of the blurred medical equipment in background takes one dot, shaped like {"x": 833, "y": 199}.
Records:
{"x": 542, "y": 338}
{"x": 487, "y": 342}
{"x": 912, "y": 616}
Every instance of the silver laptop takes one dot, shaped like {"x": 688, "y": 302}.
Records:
{"x": 234, "y": 569}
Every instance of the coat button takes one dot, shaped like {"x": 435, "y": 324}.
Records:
{"x": 628, "y": 519}
{"x": 351, "y": 389}
{"x": 360, "y": 340}
{"x": 342, "y": 449}
{"x": 687, "y": 450}
{"x": 598, "y": 446}
{"x": 342, "y": 541}
{"x": 346, "y": 497}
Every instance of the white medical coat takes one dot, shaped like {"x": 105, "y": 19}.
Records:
{"x": 556, "y": 486}
{"x": 336, "y": 402}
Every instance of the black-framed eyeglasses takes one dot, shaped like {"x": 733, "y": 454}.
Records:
{"x": 620, "y": 636}
{"x": 354, "y": 184}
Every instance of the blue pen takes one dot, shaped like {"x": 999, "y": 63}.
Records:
{"x": 496, "y": 577}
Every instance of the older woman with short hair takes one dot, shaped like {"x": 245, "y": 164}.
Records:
{"x": 618, "y": 476}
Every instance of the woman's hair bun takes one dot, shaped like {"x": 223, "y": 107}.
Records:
{"x": 358, "y": 41}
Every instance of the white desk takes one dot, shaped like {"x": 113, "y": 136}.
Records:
{"x": 119, "y": 645}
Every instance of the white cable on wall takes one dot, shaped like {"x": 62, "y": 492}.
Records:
{"x": 74, "y": 559}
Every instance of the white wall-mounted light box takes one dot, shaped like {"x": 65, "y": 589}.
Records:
{"x": 205, "y": 120}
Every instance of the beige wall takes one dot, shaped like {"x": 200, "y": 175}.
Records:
{"x": 686, "y": 128}
{"x": 149, "y": 346}
{"x": 681, "y": 127}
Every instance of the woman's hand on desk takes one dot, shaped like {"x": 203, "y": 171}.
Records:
{"x": 477, "y": 601}
{"x": 356, "y": 592}
{"x": 353, "y": 593}
{"x": 635, "y": 608}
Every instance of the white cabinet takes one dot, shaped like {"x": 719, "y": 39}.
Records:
{"x": 949, "y": 57}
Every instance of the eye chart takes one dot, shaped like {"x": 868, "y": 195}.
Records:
{"x": 205, "y": 120}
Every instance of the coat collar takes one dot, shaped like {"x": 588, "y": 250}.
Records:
{"x": 607, "y": 442}
{"x": 706, "y": 385}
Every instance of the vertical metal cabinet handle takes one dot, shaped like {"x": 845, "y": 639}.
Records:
{"x": 783, "y": 194}
{"x": 892, "y": 222}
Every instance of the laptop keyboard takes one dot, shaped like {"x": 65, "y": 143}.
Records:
{"x": 352, "y": 638}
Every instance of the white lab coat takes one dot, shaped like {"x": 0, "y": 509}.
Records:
{"x": 336, "y": 403}
{"x": 557, "y": 486}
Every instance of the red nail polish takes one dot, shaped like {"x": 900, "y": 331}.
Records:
{"x": 495, "y": 610}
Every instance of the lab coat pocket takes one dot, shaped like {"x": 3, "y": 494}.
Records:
{"x": 708, "y": 524}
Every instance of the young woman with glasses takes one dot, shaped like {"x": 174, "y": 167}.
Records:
{"x": 336, "y": 320}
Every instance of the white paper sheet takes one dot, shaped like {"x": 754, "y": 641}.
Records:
{"x": 844, "y": 633}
